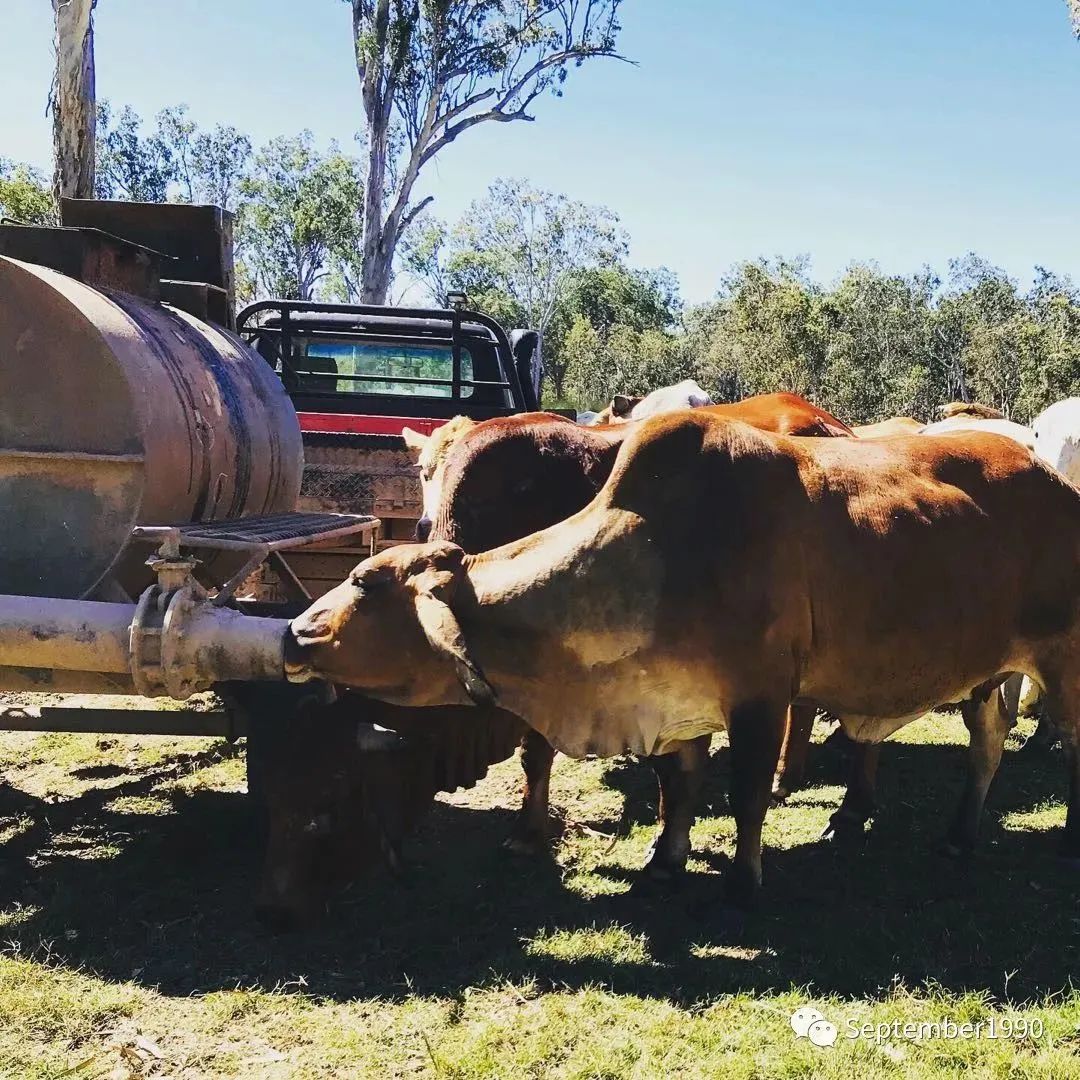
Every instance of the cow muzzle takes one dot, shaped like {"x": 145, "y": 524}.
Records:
{"x": 298, "y": 667}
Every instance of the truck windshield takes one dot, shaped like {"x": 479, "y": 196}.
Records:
{"x": 365, "y": 367}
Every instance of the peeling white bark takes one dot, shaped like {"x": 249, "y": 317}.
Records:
{"x": 73, "y": 100}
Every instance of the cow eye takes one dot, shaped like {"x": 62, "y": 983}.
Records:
{"x": 368, "y": 580}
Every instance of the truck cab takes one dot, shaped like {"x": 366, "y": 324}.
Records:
{"x": 358, "y": 375}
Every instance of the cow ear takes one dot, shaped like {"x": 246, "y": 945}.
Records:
{"x": 414, "y": 440}
{"x": 621, "y": 405}
{"x": 438, "y": 570}
{"x": 369, "y": 578}
{"x": 444, "y": 635}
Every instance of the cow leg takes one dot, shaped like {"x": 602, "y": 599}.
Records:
{"x": 755, "y": 732}
{"x": 531, "y": 833}
{"x": 791, "y": 773}
{"x": 988, "y": 723}
{"x": 1069, "y": 849}
{"x": 679, "y": 777}
{"x": 859, "y": 803}
{"x": 1065, "y": 707}
{"x": 1010, "y": 697}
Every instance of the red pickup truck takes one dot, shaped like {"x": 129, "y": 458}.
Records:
{"x": 359, "y": 374}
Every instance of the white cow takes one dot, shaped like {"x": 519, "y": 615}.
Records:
{"x": 684, "y": 395}
{"x": 1017, "y": 432}
{"x": 1057, "y": 437}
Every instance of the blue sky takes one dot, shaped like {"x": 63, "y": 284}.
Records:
{"x": 843, "y": 129}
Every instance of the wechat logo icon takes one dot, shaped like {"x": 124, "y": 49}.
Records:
{"x": 810, "y": 1024}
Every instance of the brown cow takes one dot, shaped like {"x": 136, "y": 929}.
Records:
{"x": 512, "y": 476}
{"x": 896, "y": 425}
{"x": 762, "y": 570}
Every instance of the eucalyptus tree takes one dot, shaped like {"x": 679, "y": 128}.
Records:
{"x": 430, "y": 70}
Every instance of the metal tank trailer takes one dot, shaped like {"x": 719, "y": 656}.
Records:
{"x": 149, "y": 464}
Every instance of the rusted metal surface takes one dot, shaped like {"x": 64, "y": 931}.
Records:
{"x": 206, "y": 302}
{"x": 199, "y": 239}
{"x": 18, "y": 680}
{"x": 93, "y": 257}
{"x": 114, "y": 411}
{"x": 226, "y": 725}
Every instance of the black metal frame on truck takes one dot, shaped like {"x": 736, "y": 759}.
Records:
{"x": 394, "y": 361}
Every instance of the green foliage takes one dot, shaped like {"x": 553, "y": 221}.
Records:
{"x": 24, "y": 194}
{"x": 522, "y": 244}
{"x": 525, "y": 257}
{"x": 131, "y": 165}
{"x": 623, "y": 359}
{"x": 299, "y": 224}
{"x": 176, "y": 162}
{"x": 878, "y": 345}
{"x": 208, "y": 166}
{"x": 298, "y": 229}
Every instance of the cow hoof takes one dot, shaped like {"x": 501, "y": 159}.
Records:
{"x": 780, "y": 795}
{"x": 663, "y": 873}
{"x": 1036, "y": 744}
{"x": 844, "y": 832}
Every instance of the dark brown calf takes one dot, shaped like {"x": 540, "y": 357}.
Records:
{"x": 345, "y": 783}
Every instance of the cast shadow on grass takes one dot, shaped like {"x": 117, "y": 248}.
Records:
{"x": 172, "y": 909}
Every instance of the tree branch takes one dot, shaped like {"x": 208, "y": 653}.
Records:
{"x": 408, "y": 218}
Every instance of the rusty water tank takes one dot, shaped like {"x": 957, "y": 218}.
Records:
{"x": 117, "y": 411}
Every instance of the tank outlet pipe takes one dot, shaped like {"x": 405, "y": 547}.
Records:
{"x": 171, "y": 643}
{"x": 70, "y": 635}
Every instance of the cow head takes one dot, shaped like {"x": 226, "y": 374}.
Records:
{"x": 683, "y": 395}
{"x": 344, "y": 783}
{"x": 617, "y": 411}
{"x": 431, "y": 452}
{"x": 389, "y": 630}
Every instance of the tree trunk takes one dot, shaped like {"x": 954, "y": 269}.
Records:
{"x": 375, "y": 269}
{"x": 73, "y": 100}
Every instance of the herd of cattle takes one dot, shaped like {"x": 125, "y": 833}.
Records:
{"x": 672, "y": 568}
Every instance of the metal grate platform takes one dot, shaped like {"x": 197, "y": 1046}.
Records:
{"x": 271, "y": 532}
{"x": 256, "y": 537}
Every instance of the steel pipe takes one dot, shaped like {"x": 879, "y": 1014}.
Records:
{"x": 169, "y": 644}
{"x": 72, "y": 635}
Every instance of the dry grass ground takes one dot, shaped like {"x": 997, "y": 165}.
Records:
{"x": 128, "y": 947}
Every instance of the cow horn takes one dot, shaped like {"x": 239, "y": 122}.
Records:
{"x": 444, "y": 635}
{"x": 374, "y": 738}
